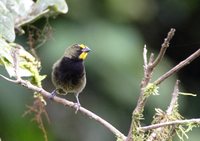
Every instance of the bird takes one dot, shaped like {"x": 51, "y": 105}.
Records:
{"x": 68, "y": 72}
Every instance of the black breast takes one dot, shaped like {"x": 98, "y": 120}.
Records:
{"x": 70, "y": 71}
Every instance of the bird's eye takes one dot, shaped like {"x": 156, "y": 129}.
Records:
{"x": 79, "y": 51}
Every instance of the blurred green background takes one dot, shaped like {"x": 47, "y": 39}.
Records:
{"x": 116, "y": 31}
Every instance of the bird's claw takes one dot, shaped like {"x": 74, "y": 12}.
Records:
{"x": 53, "y": 93}
{"x": 77, "y": 106}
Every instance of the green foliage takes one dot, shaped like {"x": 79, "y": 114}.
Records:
{"x": 6, "y": 23}
{"x": 167, "y": 132}
{"x": 18, "y": 62}
{"x": 182, "y": 130}
{"x": 14, "y": 14}
{"x": 138, "y": 135}
{"x": 151, "y": 89}
{"x": 28, "y": 66}
{"x": 56, "y": 5}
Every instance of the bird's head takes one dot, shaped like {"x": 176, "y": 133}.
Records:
{"x": 77, "y": 52}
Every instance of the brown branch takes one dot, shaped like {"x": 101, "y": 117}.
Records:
{"x": 145, "y": 57}
{"x": 164, "y": 47}
{"x": 174, "y": 99}
{"x": 170, "y": 110}
{"x": 148, "y": 71}
{"x": 68, "y": 103}
{"x": 178, "y": 67}
{"x": 155, "y": 126}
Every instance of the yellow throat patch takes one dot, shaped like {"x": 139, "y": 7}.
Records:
{"x": 83, "y": 55}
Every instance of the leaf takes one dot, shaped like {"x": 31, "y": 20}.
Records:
{"x": 7, "y": 60}
{"x": 22, "y": 8}
{"x": 28, "y": 65}
{"x": 6, "y": 23}
{"x": 5, "y": 50}
{"x": 57, "y": 5}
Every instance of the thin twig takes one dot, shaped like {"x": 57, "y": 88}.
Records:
{"x": 148, "y": 71}
{"x": 164, "y": 47}
{"x": 178, "y": 67}
{"x": 151, "y": 58}
{"x": 68, "y": 103}
{"x": 8, "y": 79}
{"x": 145, "y": 57}
{"x": 154, "y": 126}
{"x": 174, "y": 99}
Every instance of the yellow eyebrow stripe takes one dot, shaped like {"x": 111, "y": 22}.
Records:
{"x": 82, "y": 45}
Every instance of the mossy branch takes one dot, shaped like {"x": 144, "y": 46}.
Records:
{"x": 149, "y": 88}
{"x": 171, "y": 114}
{"x": 176, "y": 122}
{"x": 148, "y": 71}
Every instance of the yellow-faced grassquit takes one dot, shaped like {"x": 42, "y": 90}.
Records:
{"x": 68, "y": 73}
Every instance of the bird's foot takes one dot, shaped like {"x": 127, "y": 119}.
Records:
{"x": 53, "y": 93}
{"x": 78, "y": 106}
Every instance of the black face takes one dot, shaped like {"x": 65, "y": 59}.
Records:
{"x": 77, "y": 50}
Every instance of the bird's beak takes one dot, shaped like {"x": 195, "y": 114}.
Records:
{"x": 86, "y": 49}
{"x": 84, "y": 53}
